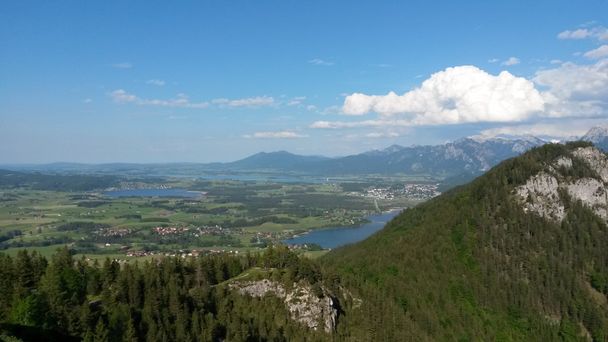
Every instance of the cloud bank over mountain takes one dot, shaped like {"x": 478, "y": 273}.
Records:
{"x": 456, "y": 95}
{"x": 468, "y": 94}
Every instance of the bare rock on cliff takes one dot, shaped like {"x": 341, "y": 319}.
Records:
{"x": 541, "y": 193}
{"x": 304, "y": 305}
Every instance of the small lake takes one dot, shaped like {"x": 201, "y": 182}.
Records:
{"x": 153, "y": 193}
{"x": 340, "y": 236}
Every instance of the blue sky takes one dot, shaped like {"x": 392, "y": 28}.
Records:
{"x": 152, "y": 81}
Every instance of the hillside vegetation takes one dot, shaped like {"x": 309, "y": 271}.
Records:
{"x": 472, "y": 264}
{"x": 167, "y": 299}
{"x": 54, "y": 182}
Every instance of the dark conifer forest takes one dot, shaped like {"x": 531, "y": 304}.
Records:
{"x": 166, "y": 300}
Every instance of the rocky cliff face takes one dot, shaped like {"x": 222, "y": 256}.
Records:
{"x": 314, "y": 311}
{"x": 544, "y": 192}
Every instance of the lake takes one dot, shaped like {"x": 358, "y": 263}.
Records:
{"x": 153, "y": 193}
{"x": 340, "y": 236}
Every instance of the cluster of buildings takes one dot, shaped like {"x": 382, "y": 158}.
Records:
{"x": 411, "y": 191}
{"x": 303, "y": 247}
{"x": 267, "y": 235}
{"x": 171, "y": 230}
{"x": 214, "y": 230}
{"x": 421, "y": 191}
{"x": 380, "y": 193}
{"x": 180, "y": 253}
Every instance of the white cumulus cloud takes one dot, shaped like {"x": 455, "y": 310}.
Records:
{"x": 276, "y": 135}
{"x": 121, "y": 96}
{"x": 568, "y": 92}
{"x": 598, "y": 53}
{"x": 561, "y": 129}
{"x": 575, "y": 90}
{"x": 384, "y": 122}
{"x": 319, "y": 61}
{"x": 574, "y": 34}
{"x": 456, "y": 95}
{"x": 598, "y": 32}
{"x": 256, "y": 101}
{"x": 180, "y": 101}
{"x": 298, "y": 100}
{"x": 511, "y": 61}
{"x": 381, "y": 135}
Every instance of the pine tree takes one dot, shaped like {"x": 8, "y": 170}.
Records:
{"x": 130, "y": 334}
{"x": 101, "y": 332}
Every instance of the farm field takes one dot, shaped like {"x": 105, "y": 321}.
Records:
{"x": 222, "y": 216}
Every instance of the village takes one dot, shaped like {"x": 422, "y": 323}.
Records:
{"x": 413, "y": 191}
{"x": 212, "y": 230}
{"x": 181, "y": 253}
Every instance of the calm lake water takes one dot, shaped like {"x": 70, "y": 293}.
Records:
{"x": 339, "y": 236}
{"x": 153, "y": 193}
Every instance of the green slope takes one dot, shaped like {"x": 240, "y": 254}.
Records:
{"x": 472, "y": 265}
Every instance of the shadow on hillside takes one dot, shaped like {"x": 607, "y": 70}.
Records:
{"x": 28, "y": 333}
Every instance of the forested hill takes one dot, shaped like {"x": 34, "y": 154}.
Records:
{"x": 518, "y": 254}
{"x": 54, "y": 182}
{"x": 211, "y": 298}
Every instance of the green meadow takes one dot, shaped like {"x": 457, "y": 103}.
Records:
{"x": 229, "y": 216}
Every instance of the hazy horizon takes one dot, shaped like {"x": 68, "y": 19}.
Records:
{"x": 278, "y": 151}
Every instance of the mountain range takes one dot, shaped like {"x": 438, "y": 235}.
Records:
{"x": 462, "y": 160}
{"x": 598, "y": 136}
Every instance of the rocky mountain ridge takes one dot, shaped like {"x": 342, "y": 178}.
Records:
{"x": 471, "y": 156}
{"x": 543, "y": 193}
{"x": 465, "y": 158}
{"x": 304, "y": 305}
{"x": 598, "y": 136}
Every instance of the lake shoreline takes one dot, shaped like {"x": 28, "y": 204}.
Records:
{"x": 332, "y": 237}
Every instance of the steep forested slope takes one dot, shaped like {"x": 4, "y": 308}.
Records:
{"x": 169, "y": 299}
{"x": 481, "y": 263}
